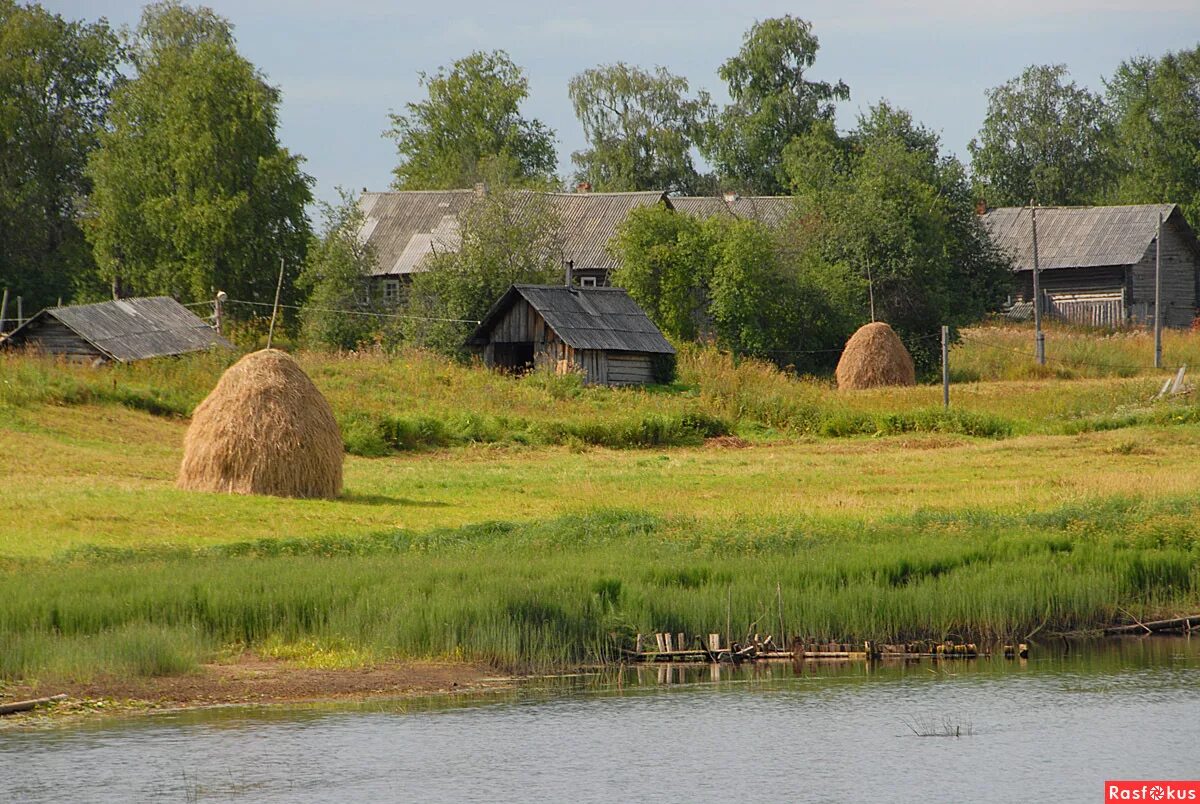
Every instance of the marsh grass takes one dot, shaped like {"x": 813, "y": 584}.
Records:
{"x": 573, "y": 590}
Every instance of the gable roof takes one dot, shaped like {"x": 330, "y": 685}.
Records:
{"x": 133, "y": 329}
{"x": 595, "y": 318}
{"x": 1079, "y": 237}
{"x": 404, "y": 228}
{"x": 768, "y": 209}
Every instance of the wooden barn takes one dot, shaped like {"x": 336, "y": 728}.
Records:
{"x": 1097, "y": 263}
{"x": 121, "y": 331}
{"x": 599, "y": 331}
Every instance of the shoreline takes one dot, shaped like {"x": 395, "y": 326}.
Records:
{"x": 251, "y": 680}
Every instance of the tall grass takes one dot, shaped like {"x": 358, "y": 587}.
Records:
{"x": 574, "y": 590}
{"x": 388, "y": 402}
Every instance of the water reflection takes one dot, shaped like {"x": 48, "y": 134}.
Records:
{"x": 1051, "y": 728}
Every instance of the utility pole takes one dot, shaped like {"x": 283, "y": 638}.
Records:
{"x": 1158, "y": 295}
{"x": 1039, "y": 338}
{"x": 218, "y": 310}
{"x": 945, "y": 367}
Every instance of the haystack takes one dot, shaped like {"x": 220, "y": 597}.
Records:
{"x": 265, "y": 429}
{"x": 875, "y": 356}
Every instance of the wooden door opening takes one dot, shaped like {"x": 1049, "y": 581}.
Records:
{"x": 515, "y": 358}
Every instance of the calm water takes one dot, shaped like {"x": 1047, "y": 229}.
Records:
{"x": 1051, "y": 729}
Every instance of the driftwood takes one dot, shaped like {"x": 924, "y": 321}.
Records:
{"x": 25, "y": 706}
{"x": 1155, "y": 626}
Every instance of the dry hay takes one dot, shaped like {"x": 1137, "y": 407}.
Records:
{"x": 265, "y": 429}
{"x": 875, "y": 356}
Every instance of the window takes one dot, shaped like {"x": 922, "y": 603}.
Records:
{"x": 391, "y": 290}
{"x": 587, "y": 281}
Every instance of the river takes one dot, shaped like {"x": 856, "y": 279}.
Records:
{"x": 1052, "y": 728}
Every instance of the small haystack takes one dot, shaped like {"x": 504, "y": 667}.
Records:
{"x": 265, "y": 429}
{"x": 875, "y": 356}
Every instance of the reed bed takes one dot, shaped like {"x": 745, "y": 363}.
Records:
{"x": 572, "y": 590}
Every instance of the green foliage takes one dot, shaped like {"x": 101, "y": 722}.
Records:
{"x": 193, "y": 192}
{"x": 1045, "y": 139}
{"x": 640, "y": 127}
{"x": 470, "y": 129}
{"x": 1156, "y": 104}
{"x": 337, "y": 277}
{"x": 561, "y": 591}
{"x": 55, "y": 80}
{"x": 733, "y": 282}
{"x": 884, "y": 202}
{"x": 507, "y": 237}
{"x": 773, "y": 102}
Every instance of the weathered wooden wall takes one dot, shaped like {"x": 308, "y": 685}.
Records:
{"x": 1105, "y": 279}
{"x": 1179, "y": 276}
{"x": 630, "y": 368}
{"x": 52, "y": 337}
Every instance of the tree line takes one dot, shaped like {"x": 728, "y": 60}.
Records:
{"x": 148, "y": 161}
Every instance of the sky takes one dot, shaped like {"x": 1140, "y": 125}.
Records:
{"x": 343, "y": 65}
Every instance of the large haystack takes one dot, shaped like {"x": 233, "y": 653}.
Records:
{"x": 875, "y": 356}
{"x": 265, "y": 429}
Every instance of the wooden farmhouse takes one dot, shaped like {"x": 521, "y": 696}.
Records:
{"x": 599, "y": 331}
{"x": 121, "y": 331}
{"x": 405, "y": 229}
{"x": 1098, "y": 263}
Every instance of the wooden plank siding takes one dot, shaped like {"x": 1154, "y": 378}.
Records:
{"x": 629, "y": 368}
{"x": 1179, "y": 276}
{"x": 53, "y": 337}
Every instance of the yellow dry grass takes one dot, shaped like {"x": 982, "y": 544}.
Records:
{"x": 264, "y": 429}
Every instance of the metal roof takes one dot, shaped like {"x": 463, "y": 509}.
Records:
{"x": 404, "y": 228}
{"x": 768, "y": 209}
{"x": 595, "y": 318}
{"x": 134, "y": 329}
{"x": 1078, "y": 237}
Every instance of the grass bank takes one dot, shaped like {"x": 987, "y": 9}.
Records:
{"x": 555, "y": 593}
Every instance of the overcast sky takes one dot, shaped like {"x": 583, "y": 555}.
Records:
{"x": 344, "y": 64}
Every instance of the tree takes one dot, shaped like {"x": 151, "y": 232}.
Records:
{"x": 193, "y": 192}
{"x": 507, "y": 237}
{"x": 470, "y": 126}
{"x": 772, "y": 102}
{"x": 55, "y": 81}
{"x": 640, "y": 127}
{"x": 1044, "y": 139}
{"x": 731, "y": 282}
{"x": 1156, "y": 103}
{"x": 337, "y": 276}
{"x": 885, "y": 203}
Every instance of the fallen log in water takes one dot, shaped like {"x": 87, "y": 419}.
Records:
{"x": 25, "y": 706}
{"x": 1156, "y": 626}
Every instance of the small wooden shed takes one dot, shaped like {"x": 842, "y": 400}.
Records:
{"x": 599, "y": 331}
{"x": 122, "y": 330}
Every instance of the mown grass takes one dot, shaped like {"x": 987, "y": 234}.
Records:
{"x": 575, "y": 589}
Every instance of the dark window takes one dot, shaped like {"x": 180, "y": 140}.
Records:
{"x": 514, "y": 357}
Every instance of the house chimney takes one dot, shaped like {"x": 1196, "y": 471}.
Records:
{"x": 730, "y": 196}
{"x": 481, "y": 188}
{"x": 981, "y": 207}
{"x": 570, "y": 267}
{"x": 583, "y": 187}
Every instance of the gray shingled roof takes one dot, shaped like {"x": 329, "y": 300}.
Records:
{"x": 596, "y": 318}
{"x": 135, "y": 329}
{"x": 768, "y": 209}
{"x": 1076, "y": 237}
{"x": 404, "y": 228}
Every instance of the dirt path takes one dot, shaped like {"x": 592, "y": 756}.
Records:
{"x": 253, "y": 680}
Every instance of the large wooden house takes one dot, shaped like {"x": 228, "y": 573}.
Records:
{"x": 601, "y": 332}
{"x": 1098, "y": 263}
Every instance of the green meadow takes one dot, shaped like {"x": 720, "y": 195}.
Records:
{"x": 534, "y": 523}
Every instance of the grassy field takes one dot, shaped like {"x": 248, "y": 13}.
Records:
{"x": 536, "y": 523}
